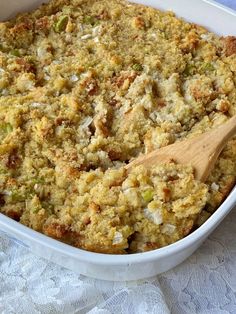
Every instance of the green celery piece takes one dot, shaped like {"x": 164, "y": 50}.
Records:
{"x": 207, "y": 67}
{"x": 61, "y": 23}
{"x": 5, "y": 128}
{"x": 189, "y": 69}
{"x": 137, "y": 67}
{"x": 147, "y": 195}
{"x": 17, "y": 197}
{"x": 90, "y": 20}
{"x": 15, "y": 52}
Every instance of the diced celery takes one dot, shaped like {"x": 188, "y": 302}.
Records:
{"x": 35, "y": 210}
{"x": 3, "y": 171}
{"x": 37, "y": 181}
{"x": 9, "y": 128}
{"x": 147, "y": 195}
{"x": 17, "y": 197}
{"x": 61, "y": 23}
{"x": 15, "y": 52}
{"x": 189, "y": 70}
{"x": 5, "y": 128}
{"x": 90, "y": 20}
{"x": 137, "y": 67}
{"x": 207, "y": 67}
{"x": 67, "y": 10}
{"x": 49, "y": 207}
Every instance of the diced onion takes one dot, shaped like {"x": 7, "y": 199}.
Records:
{"x": 156, "y": 216}
{"x": 86, "y": 123}
{"x": 215, "y": 186}
{"x": 74, "y": 78}
{"x": 87, "y": 36}
{"x": 36, "y": 105}
{"x": 118, "y": 238}
{"x": 168, "y": 229}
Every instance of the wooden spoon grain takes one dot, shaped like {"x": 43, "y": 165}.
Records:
{"x": 201, "y": 151}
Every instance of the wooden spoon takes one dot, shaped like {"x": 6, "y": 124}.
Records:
{"x": 201, "y": 151}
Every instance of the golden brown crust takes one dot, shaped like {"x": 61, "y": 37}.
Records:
{"x": 14, "y": 214}
{"x": 230, "y": 45}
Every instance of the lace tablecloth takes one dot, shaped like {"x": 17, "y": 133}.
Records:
{"x": 204, "y": 284}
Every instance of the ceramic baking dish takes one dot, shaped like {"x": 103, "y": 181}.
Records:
{"x": 141, "y": 265}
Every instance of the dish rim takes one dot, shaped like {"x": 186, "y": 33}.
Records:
{"x": 212, "y": 222}
{"x": 221, "y": 6}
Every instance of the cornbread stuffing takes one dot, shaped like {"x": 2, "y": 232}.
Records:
{"x": 88, "y": 85}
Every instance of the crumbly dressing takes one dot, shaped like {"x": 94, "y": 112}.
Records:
{"x": 85, "y": 86}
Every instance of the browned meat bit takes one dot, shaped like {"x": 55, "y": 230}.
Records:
{"x": 73, "y": 172}
{"x": 100, "y": 124}
{"x": 103, "y": 15}
{"x": 11, "y": 182}
{"x": 167, "y": 194}
{"x": 87, "y": 220}
{"x": 117, "y": 181}
{"x": 13, "y": 160}
{"x": 45, "y": 128}
{"x": 138, "y": 22}
{"x": 14, "y": 215}
{"x": 114, "y": 103}
{"x": 114, "y": 155}
{"x": 161, "y": 102}
{"x": 190, "y": 42}
{"x": 223, "y": 106}
{"x": 94, "y": 207}
{"x": 124, "y": 80}
{"x": 2, "y": 200}
{"x": 92, "y": 88}
{"x": 229, "y": 45}
{"x": 26, "y": 65}
{"x": 90, "y": 85}
{"x": 62, "y": 121}
{"x": 173, "y": 178}
{"x": 59, "y": 121}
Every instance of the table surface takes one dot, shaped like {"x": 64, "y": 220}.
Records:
{"x": 204, "y": 284}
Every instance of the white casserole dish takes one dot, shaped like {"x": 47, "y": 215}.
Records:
{"x": 141, "y": 265}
